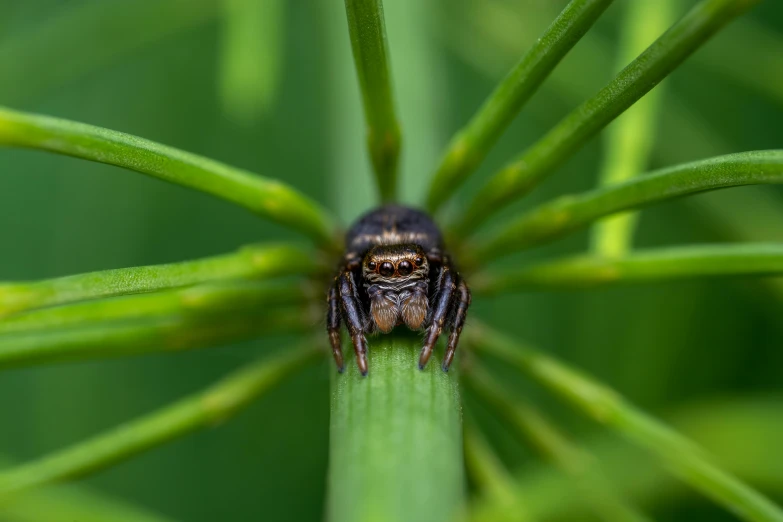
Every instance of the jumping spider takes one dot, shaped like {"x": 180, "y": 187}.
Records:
{"x": 396, "y": 272}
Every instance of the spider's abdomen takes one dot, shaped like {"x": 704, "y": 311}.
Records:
{"x": 393, "y": 225}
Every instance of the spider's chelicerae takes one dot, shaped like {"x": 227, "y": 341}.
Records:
{"x": 394, "y": 272}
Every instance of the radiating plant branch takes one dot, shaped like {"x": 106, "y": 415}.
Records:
{"x": 371, "y": 56}
{"x": 605, "y": 406}
{"x": 642, "y": 266}
{"x": 173, "y": 320}
{"x": 569, "y": 213}
{"x": 472, "y": 143}
{"x": 395, "y": 438}
{"x": 201, "y": 410}
{"x": 628, "y": 142}
{"x": 567, "y": 137}
{"x": 265, "y": 197}
{"x": 249, "y": 262}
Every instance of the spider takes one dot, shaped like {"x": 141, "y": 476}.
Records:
{"x": 395, "y": 271}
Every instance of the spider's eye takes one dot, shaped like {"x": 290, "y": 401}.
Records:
{"x": 372, "y": 265}
{"x": 419, "y": 260}
{"x": 404, "y": 268}
{"x": 387, "y": 269}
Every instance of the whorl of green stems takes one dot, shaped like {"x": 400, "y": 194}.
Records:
{"x": 249, "y": 262}
{"x": 642, "y": 266}
{"x": 605, "y": 406}
{"x": 158, "y": 322}
{"x": 557, "y": 218}
{"x": 470, "y": 145}
{"x": 628, "y": 141}
{"x": 368, "y": 41}
{"x": 266, "y": 197}
{"x": 567, "y": 137}
{"x": 201, "y": 410}
{"x": 396, "y": 438}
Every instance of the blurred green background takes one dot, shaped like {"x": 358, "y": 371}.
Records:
{"x": 269, "y": 86}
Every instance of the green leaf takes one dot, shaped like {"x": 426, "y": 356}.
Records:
{"x": 250, "y": 262}
{"x": 201, "y": 410}
{"x": 368, "y": 40}
{"x": 566, "y": 214}
{"x": 196, "y": 317}
{"x": 396, "y": 438}
{"x": 605, "y": 406}
{"x": 642, "y": 266}
{"x": 629, "y": 140}
{"x": 472, "y": 143}
{"x": 567, "y": 137}
{"x": 266, "y": 197}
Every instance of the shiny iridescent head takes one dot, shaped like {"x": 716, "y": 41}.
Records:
{"x": 397, "y": 278}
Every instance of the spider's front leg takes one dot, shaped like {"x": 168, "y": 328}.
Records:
{"x": 333, "y": 324}
{"x": 349, "y": 296}
{"x": 461, "y": 304}
{"x": 446, "y": 286}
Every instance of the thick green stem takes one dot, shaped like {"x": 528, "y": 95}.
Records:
{"x": 201, "y": 410}
{"x": 629, "y": 141}
{"x": 250, "y": 262}
{"x": 555, "y": 219}
{"x": 471, "y": 144}
{"x": 396, "y": 439}
{"x": 370, "y": 53}
{"x": 159, "y": 322}
{"x": 567, "y": 137}
{"x": 643, "y": 266}
{"x": 266, "y": 197}
{"x": 605, "y": 406}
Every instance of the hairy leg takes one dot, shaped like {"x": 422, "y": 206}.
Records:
{"x": 353, "y": 318}
{"x": 461, "y": 302}
{"x": 333, "y": 325}
{"x": 446, "y": 286}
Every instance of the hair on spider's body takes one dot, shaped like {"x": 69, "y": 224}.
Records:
{"x": 395, "y": 272}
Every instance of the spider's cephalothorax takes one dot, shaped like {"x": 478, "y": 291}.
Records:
{"x": 395, "y": 272}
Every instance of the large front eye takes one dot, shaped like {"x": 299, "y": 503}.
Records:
{"x": 372, "y": 265}
{"x": 387, "y": 269}
{"x": 405, "y": 268}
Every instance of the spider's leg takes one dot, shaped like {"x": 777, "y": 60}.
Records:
{"x": 461, "y": 304}
{"x": 333, "y": 325}
{"x": 353, "y": 318}
{"x": 446, "y": 287}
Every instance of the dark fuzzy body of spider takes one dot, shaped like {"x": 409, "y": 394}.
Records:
{"x": 395, "y": 272}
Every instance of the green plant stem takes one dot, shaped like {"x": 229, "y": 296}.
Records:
{"x": 557, "y": 218}
{"x": 643, "y": 266}
{"x": 567, "y": 137}
{"x": 368, "y": 41}
{"x": 534, "y": 429}
{"x": 396, "y": 438}
{"x": 159, "y": 322}
{"x": 250, "y": 262}
{"x": 222, "y": 297}
{"x": 201, "y": 410}
{"x": 472, "y": 143}
{"x": 266, "y": 197}
{"x": 606, "y": 407}
{"x": 251, "y": 57}
{"x": 629, "y": 140}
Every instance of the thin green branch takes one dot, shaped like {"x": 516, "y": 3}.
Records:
{"x": 567, "y": 137}
{"x": 251, "y": 59}
{"x": 368, "y": 40}
{"x": 629, "y": 140}
{"x": 605, "y": 406}
{"x": 396, "y": 438}
{"x": 158, "y": 322}
{"x": 533, "y": 428}
{"x": 201, "y": 410}
{"x": 249, "y": 262}
{"x": 566, "y": 214}
{"x": 644, "y": 266}
{"x": 266, "y": 197}
{"x": 472, "y": 143}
